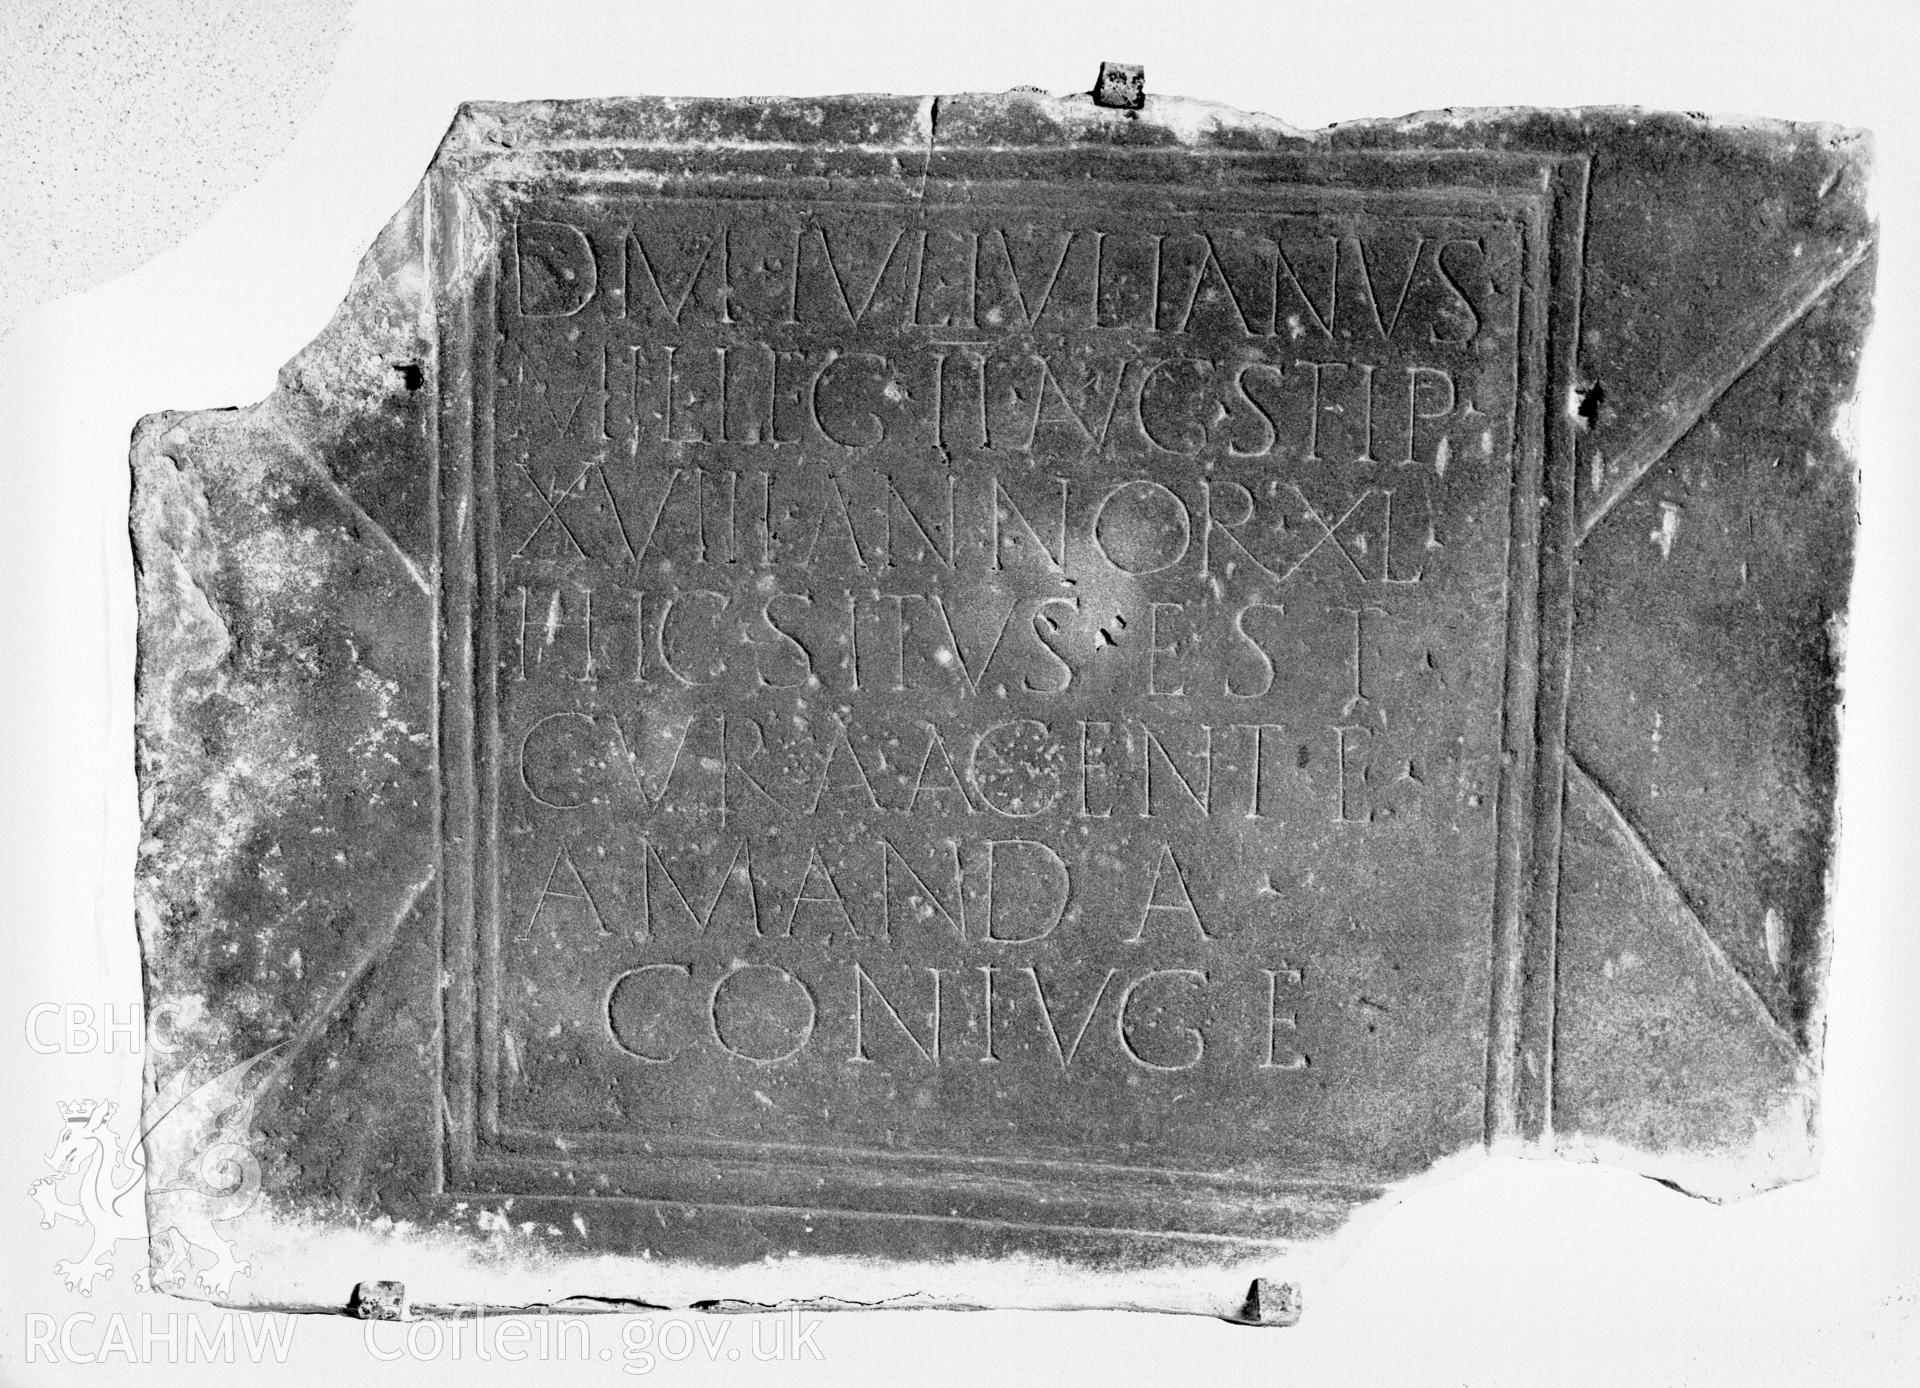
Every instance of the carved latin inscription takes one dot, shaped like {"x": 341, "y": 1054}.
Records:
{"x": 992, "y": 679}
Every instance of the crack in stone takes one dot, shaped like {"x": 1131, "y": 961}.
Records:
{"x": 1641, "y": 849}
{"x": 325, "y": 1015}
{"x": 359, "y": 512}
{"x": 1700, "y": 389}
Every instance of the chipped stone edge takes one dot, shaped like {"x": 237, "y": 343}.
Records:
{"x": 388, "y": 308}
{"x": 305, "y": 1263}
{"x": 490, "y": 128}
{"x": 302, "y": 1263}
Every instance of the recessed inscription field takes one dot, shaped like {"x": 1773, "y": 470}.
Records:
{"x": 988, "y": 681}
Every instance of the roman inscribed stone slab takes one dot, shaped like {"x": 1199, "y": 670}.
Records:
{"x": 1001, "y": 701}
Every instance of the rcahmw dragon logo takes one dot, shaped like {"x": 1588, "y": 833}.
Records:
{"x": 200, "y": 1146}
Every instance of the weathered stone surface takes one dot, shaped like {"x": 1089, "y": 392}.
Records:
{"x": 997, "y": 701}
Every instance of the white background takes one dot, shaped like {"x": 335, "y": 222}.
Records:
{"x": 242, "y": 156}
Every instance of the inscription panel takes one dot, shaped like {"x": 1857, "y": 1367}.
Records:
{"x": 994, "y": 682}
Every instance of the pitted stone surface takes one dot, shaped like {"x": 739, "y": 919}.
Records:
{"x": 1018, "y": 702}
